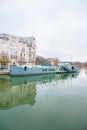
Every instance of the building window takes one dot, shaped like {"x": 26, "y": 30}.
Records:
{"x": 13, "y": 39}
{"x": 4, "y": 57}
{"x": 26, "y": 40}
{"x": 21, "y": 39}
{"x": 14, "y": 50}
{"x": 23, "y": 50}
{"x": 29, "y": 55}
{"x": 4, "y": 46}
{"x": 30, "y": 44}
{"x": 13, "y": 56}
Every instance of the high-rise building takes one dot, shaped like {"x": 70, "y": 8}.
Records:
{"x": 17, "y": 49}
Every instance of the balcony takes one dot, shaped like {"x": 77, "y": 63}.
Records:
{"x": 29, "y": 44}
{"x": 4, "y": 36}
{"x": 23, "y": 40}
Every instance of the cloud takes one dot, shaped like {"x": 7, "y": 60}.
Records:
{"x": 60, "y": 26}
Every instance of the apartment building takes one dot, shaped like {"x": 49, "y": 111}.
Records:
{"x": 17, "y": 49}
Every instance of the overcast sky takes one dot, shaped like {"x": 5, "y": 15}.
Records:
{"x": 59, "y": 26}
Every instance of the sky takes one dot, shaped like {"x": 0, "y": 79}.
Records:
{"x": 59, "y": 26}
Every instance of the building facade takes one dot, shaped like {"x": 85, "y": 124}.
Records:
{"x": 17, "y": 49}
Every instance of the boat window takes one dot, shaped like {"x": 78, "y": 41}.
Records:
{"x": 72, "y": 67}
{"x": 25, "y": 68}
{"x": 13, "y": 63}
{"x": 45, "y": 69}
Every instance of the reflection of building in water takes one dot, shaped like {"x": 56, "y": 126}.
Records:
{"x": 12, "y": 96}
{"x": 32, "y": 79}
{"x": 22, "y": 90}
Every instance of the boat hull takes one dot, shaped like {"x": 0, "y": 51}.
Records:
{"x": 19, "y": 71}
{"x": 40, "y": 70}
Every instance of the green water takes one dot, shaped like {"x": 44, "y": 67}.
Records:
{"x": 49, "y": 102}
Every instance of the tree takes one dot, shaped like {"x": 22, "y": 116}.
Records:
{"x": 56, "y": 61}
{"x": 41, "y": 60}
{"x": 4, "y": 62}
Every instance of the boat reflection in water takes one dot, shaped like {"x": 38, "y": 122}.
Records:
{"x": 16, "y": 91}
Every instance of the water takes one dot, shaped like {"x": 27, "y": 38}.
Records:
{"x": 49, "y": 102}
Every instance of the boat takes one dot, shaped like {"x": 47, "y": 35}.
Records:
{"x": 64, "y": 67}
{"x": 67, "y": 67}
{"x": 32, "y": 70}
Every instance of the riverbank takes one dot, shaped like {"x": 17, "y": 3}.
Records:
{"x": 4, "y": 71}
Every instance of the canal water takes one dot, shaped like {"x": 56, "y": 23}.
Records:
{"x": 48, "y": 102}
